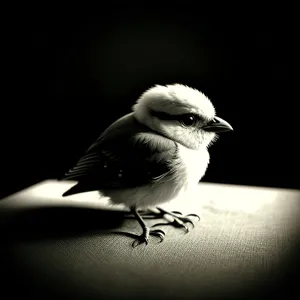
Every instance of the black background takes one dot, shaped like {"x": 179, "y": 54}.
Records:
{"x": 71, "y": 73}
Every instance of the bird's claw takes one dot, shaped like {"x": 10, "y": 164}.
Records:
{"x": 159, "y": 233}
{"x": 144, "y": 238}
{"x": 179, "y": 221}
{"x": 176, "y": 212}
{"x": 194, "y": 215}
{"x": 189, "y": 215}
{"x": 175, "y": 222}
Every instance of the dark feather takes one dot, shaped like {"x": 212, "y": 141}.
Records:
{"x": 118, "y": 160}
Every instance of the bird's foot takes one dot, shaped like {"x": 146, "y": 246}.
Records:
{"x": 144, "y": 237}
{"x": 177, "y": 219}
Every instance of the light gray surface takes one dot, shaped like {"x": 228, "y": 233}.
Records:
{"x": 245, "y": 242}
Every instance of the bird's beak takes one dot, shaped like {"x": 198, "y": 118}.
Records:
{"x": 217, "y": 125}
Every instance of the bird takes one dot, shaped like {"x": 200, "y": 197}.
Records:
{"x": 153, "y": 154}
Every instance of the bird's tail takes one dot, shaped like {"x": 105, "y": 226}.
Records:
{"x": 82, "y": 187}
{"x": 76, "y": 189}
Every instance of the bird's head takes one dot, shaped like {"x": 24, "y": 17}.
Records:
{"x": 180, "y": 113}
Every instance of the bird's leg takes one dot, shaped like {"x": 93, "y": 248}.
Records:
{"x": 144, "y": 237}
{"x": 178, "y": 219}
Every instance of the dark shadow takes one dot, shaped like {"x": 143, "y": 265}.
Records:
{"x": 57, "y": 222}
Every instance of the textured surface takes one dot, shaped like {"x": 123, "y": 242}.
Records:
{"x": 245, "y": 245}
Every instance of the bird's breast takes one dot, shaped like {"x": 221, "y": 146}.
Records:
{"x": 187, "y": 169}
{"x": 191, "y": 165}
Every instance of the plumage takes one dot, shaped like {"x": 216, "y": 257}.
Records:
{"x": 140, "y": 158}
{"x": 153, "y": 154}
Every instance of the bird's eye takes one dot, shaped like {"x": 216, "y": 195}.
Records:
{"x": 188, "y": 120}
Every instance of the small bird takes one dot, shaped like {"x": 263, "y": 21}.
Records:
{"x": 151, "y": 155}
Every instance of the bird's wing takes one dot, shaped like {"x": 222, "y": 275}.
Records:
{"x": 126, "y": 155}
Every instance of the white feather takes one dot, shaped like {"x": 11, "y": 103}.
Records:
{"x": 170, "y": 98}
{"x": 175, "y": 99}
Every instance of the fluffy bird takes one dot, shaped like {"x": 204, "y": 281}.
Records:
{"x": 151, "y": 155}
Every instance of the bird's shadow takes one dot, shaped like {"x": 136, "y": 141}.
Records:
{"x": 58, "y": 222}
